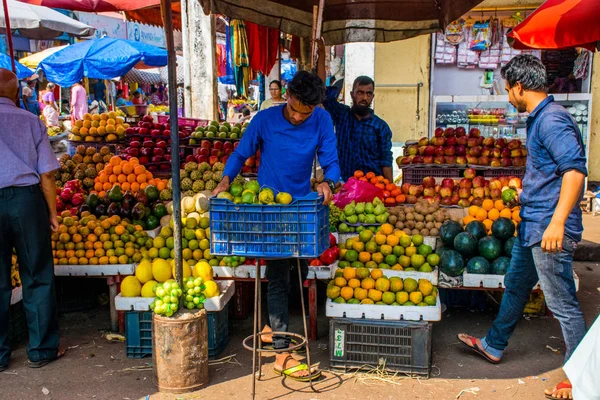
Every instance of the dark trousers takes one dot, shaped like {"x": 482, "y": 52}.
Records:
{"x": 279, "y": 274}
{"x": 25, "y": 226}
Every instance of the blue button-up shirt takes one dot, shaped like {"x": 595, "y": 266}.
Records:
{"x": 287, "y": 151}
{"x": 554, "y": 146}
{"x": 25, "y": 150}
{"x": 364, "y": 144}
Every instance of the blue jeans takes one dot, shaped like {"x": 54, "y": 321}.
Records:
{"x": 279, "y": 274}
{"x": 555, "y": 274}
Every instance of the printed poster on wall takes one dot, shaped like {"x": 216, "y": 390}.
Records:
{"x": 105, "y": 26}
{"x": 146, "y": 34}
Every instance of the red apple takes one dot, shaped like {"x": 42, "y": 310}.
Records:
{"x": 515, "y": 183}
{"x": 480, "y": 140}
{"x": 429, "y": 192}
{"x": 439, "y": 160}
{"x": 438, "y": 151}
{"x": 478, "y": 181}
{"x": 216, "y": 153}
{"x": 449, "y": 151}
{"x": 518, "y": 162}
{"x": 451, "y": 141}
{"x": 471, "y": 160}
{"x": 514, "y": 144}
{"x": 495, "y": 183}
{"x": 446, "y": 201}
{"x": 429, "y": 150}
{"x": 449, "y": 132}
{"x": 206, "y": 144}
{"x": 212, "y": 160}
{"x": 475, "y": 151}
{"x": 427, "y": 159}
{"x": 486, "y": 192}
{"x": 464, "y": 202}
{"x": 218, "y": 144}
{"x": 428, "y": 182}
{"x": 496, "y": 153}
{"x": 450, "y": 160}
{"x": 515, "y": 153}
{"x": 495, "y": 193}
{"x": 486, "y": 151}
{"x": 479, "y": 192}
{"x": 437, "y": 198}
{"x": 438, "y": 188}
{"x": 462, "y": 140}
{"x": 405, "y": 188}
{"x": 448, "y": 183}
{"x": 495, "y": 162}
{"x": 474, "y": 133}
{"x": 412, "y": 150}
{"x": 423, "y": 142}
{"x": 455, "y": 199}
{"x": 464, "y": 193}
{"x": 461, "y": 160}
{"x": 505, "y": 153}
{"x": 410, "y": 199}
{"x": 403, "y": 160}
{"x": 460, "y": 150}
{"x": 415, "y": 190}
{"x": 472, "y": 142}
{"x": 500, "y": 143}
{"x": 439, "y": 141}
{"x": 422, "y": 150}
{"x": 466, "y": 183}
{"x": 505, "y": 162}
{"x": 484, "y": 160}
{"x": 488, "y": 141}
{"x": 439, "y": 132}
{"x": 477, "y": 202}
{"x": 417, "y": 159}
{"x": 445, "y": 192}
{"x": 460, "y": 132}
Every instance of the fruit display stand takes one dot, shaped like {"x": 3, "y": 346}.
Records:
{"x": 112, "y": 273}
{"x": 492, "y": 281}
{"x": 387, "y": 312}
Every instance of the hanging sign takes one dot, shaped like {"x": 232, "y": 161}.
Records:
{"x": 148, "y": 34}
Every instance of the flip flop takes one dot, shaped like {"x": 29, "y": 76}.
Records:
{"x": 562, "y": 385}
{"x": 43, "y": 363}
{"x": 301, "y": 367}
{"x": 478, "y": 350}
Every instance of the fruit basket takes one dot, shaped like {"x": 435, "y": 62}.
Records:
{"x": 493, "y": 281}
{"x": 296, "y": 230}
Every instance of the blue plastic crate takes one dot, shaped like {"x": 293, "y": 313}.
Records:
{"x": 296, "y": 230}
{"x": 138, "y": 332}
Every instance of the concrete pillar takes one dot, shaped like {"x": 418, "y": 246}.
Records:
{"x": 359, "y": 60}
{"x": 200, "y": 70}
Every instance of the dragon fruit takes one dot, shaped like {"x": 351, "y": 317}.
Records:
{"x": 78, "y": 199}
{"x": 66, "y": 194}
{"x": 74, "y": 185}
{"x": 60, "y": 205}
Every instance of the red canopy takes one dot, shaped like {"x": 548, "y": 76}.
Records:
{"x": 145, "y": 11}
{"x": 560, "y": 24}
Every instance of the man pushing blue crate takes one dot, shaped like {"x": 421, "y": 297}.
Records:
{"x": 288, "y": 137}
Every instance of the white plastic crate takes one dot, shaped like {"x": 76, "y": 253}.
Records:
{"x": 430, "y": 276}
{"x": 491, "y": 281}
{"x": 94, "y": 270}
{"x": 392, "y": 313}
{"x": 227, "y": 289}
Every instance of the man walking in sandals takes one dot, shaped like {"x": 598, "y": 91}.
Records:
{"x": 551, "y": 218}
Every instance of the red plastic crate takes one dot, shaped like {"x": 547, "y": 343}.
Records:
{"x": 415, "y": 176}
{"x": 184, "y": 122}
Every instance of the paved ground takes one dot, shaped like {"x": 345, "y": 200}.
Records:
{"x": 97, "y": 369}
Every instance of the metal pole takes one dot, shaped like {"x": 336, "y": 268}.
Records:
{"x": 167, "y": 16}
{"x": 9, "y": 36}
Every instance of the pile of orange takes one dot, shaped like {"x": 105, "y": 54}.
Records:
{"x": 392, "y": 194}
{"x": 129, "y": 175}
{"x": 88, "y": 240}
{"x": 99, "y": 127}
{"x": 490, "y": 211}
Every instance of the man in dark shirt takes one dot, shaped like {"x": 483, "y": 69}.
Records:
{"x": 364, "y": 140}
{"x": 99, "y": 88}
{"x": 551, "y": 219}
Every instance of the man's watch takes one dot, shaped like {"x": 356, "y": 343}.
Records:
{"x": 330, "y": 183}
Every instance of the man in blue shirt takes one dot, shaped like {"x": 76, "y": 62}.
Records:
{"x": 364, "y": 140}
{"x": 288, "y": 137}
{"x": 551, "y": 219}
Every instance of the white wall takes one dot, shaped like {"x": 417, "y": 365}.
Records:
{"x": 358, "y": 60}
{"x": 451, "y": 81}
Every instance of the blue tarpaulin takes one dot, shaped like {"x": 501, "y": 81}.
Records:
{"x": 22, "y": 71}
{"x": 103, "y": 58}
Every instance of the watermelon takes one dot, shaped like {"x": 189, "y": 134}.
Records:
{"x": 503, "y": 228}
{"x": 465, "y": 243}
{"x": 500, "y": 265}
{"x": 441, "y": 250}
{"x": 477, "y": 229}
{"x": 448, "y": 232}
{"x": 490, "y": 247}
{"x": 452, "y": 263}
{"x": 508, "y": 246}
{"x": 478, "y": 265}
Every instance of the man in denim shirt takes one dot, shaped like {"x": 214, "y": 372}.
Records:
{"x": 551, "y": 219}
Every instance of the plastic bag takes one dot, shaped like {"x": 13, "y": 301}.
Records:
{"x": 481, "y": 36}
{"x": 357, "y": 191}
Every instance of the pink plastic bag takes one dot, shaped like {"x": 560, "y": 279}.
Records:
{"x": 357, "y": 191}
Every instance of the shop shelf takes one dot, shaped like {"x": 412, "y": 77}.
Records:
{"x": 138, "y": 332}
{"x": 396, "y": 346}
{"x": 299, "y": 229}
